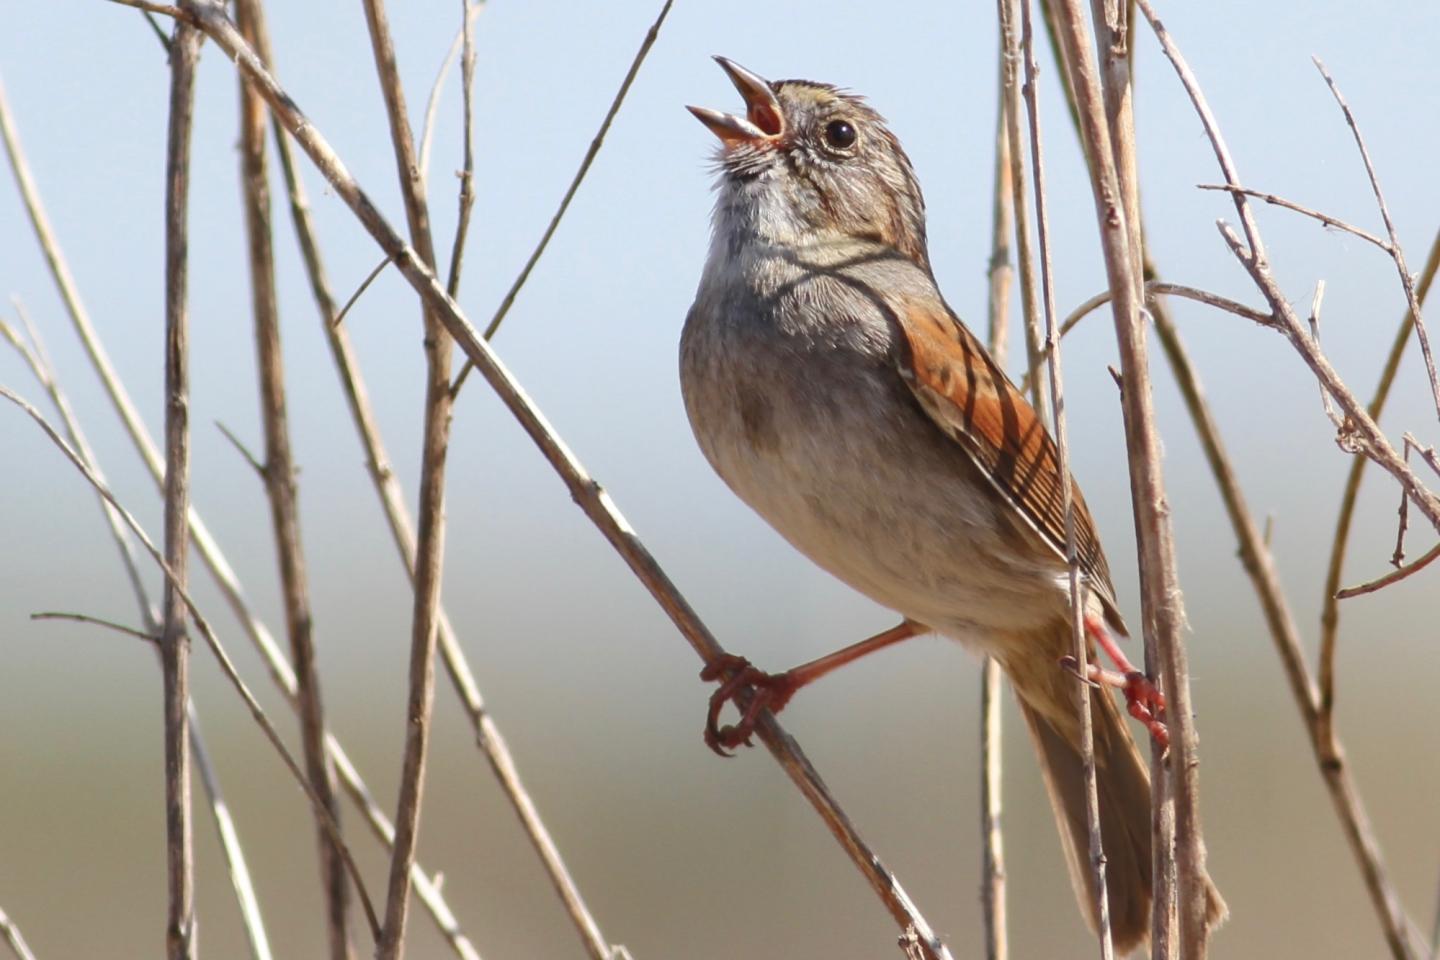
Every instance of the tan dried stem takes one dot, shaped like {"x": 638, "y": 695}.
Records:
{"x": 587, "y": 493}
{"x": 280, "y": 488}
{"x": 460, "y": 42}
{"x": 1361, "y": 433}
{"x": 174, "y": 640}
{"x": 205, "y": 544}
{"x": 14, "y": 938}
{"x": 1057, "y": 411}
{"x": 992, "y": 840}
{"x": 430, "y": 535}
{"x": 1329, "y": 757}
{"x": 1010, "y": 67}
{"x": 38, "y": 360}
{"x": 1114, "y": 30}
{"x": 1396, "y": 251}
{"x": 594, "y": 149}
{"x": 207, "y": 632}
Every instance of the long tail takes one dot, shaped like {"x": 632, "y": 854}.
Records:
{"x": 1123, "y": 788}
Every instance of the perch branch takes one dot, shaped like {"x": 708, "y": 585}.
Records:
{"x": 14, "y": 938}
{"x": 1057, "y": 412}
{"x": 588, "y": 494}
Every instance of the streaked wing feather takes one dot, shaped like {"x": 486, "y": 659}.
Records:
{"x": 970, "y": 398}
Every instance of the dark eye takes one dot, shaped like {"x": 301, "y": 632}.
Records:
{"x": 839, "y": 135}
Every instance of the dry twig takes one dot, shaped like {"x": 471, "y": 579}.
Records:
{"x": 278, "y": 476}
{"x": 430, "y": 538}
{"x": 38, "y": 360}
{"x": 174, "y": 641}
{"x": 992, "y": 840}
{"x": 205, "y": 544}
{"x": 591, "y": 498}
{"x": 227, "y": 666}
{"x": 1329, "y": 756}
{"x": 589, "y": 158}
{"x": 14, "y": 938}
{"x": 1062, "y": 458}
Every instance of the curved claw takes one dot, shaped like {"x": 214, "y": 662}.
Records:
{"x": 767, "y": 691}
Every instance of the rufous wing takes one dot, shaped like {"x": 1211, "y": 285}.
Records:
{"x": 963, "y": 391}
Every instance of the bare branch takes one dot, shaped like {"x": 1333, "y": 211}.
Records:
{"x": 364, "y": 285}
{"x": 148, "y": 637}
{"x": 1072, "y": 558}
{"x": 471, "y": 10}
{"x": 174, "y": 641}
{"x": 1395, "y": 250}
{"x": 14, "y": 938}
{"x": 205, "y": 544}
{"x": 588, "y": 494}
{"x": 589, "y": 158}
{"x": 430, "y": 538}
{"x": 39, "y": 362}
{"x": 227, "y": 666}
{"x": 1329, "y": 756}
{"x": 992, "y": 839}
{"x": 1324, "y": 218}
{"x": 1394, "y": 576}
{"x": 278, "y": 476}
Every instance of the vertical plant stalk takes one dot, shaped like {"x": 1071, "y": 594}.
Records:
{"x": 174, "y": 639}
{"x": 992, "y": 839}
{"x": 430, "y": 539}
{"x": 1162, "y": 611}
{"x": 14, "y": 938}
{"x": 1113, "y": 32}
{"x": 1052, "y": 351}
{"x": 588, "y": 494}
{"x": 1010, "y": 60}
{"x": 279, "y": 477}
{"x": 1330, "y": 609}
{"x": 38, "y": 360}
{"x": 205, "y": 544}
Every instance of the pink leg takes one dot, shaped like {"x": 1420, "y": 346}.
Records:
{"x": 1142, "y": 698}
{"x": 773, "y": 691}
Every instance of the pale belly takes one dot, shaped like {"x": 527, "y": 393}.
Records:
{"x": 837, "y": 457}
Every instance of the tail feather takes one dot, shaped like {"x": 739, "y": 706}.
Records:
{"x": 1122, "y": 787}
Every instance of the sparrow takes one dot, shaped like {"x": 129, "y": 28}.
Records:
{"x": 836, "y": 393}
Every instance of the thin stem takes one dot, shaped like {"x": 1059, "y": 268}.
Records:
{"x": 280, "y": 488}
{"x": 1394, "y": 576}
{"x": 174, "y": 641}
{"x": 41, "y": 366}
{"x": 594, "y": 149}
{"x": 587, "y": 493}
{"x": 472, "y": 10}
{"x": 466, "y": 198}
{"x": 992, "y": 839}
{"x": 14, "y": 938}
{"x": 1062, "y": 458}
{"x": 205, "y": 544}
{"x": 430, "y": 538}
{"x": 1397, "y": 253}
{"x": 1020, "y": 201}
{"x": 1162, "y": 612}
{"x": 227, "y": 666}
{"x": 1329, "y": 757}
{"x": 1324, "y": 218}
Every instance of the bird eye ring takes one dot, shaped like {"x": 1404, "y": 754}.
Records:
{"x": 840, "y": 135}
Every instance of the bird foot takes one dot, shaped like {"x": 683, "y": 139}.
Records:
{"x": 737, "y": 676}
{"x": 1143, "y": 700}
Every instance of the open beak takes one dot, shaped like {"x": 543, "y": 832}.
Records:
{"x": 763, "y": 121}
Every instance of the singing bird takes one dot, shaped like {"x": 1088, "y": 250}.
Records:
{"x": 833, "y": 389}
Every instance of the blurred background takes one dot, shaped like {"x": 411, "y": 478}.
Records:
{"x": 681, "y": 854}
